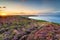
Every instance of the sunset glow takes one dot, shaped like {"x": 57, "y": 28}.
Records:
{"x": 27, "y": 7}
{"x": 3, "y": 14}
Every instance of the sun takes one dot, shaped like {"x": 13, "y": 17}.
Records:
{"x": 3, "y": 14}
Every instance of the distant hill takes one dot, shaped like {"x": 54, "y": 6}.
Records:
{"x": 21, "y": 27}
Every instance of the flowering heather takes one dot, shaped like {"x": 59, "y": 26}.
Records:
{"x": 21, "y": 28}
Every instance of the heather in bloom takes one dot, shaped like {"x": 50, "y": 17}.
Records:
{"x": 15, "y": 28}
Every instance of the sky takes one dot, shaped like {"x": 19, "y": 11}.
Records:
{"x": 30, "y": 7}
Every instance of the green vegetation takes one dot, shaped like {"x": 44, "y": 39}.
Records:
{"x": 42, "y": 21}
{"x": 55, "y": 23}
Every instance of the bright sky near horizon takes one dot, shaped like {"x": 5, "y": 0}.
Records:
{"x": 30, "y": 7}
